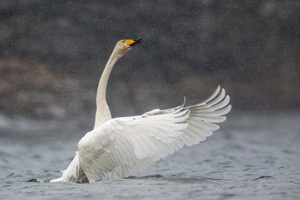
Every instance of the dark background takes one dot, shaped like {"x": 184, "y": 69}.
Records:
{"x": 52, "y": 53}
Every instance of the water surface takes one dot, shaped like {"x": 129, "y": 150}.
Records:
{"x": 251, "y": 157}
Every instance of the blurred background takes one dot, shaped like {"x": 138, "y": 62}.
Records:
{"x": 52, "y": 54}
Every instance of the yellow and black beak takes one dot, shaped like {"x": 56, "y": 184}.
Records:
{"x": 132, "y": 43}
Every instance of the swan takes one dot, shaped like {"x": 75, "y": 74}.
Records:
{"x": 126, "y": 145}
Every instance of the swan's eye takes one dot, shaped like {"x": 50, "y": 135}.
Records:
{"x": 123, "y": 41}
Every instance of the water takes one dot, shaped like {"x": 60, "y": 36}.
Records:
{"x": 251, "y": 157}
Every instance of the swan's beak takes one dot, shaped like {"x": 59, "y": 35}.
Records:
{"x": 132, "y": 43}
{"x": 136, "y": 42}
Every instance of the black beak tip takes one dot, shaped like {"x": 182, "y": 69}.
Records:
{"x": 138, "y": 41}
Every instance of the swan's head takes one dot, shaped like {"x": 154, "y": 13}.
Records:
{"x": 123, "y": 46}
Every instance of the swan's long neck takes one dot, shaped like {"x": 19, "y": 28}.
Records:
{"x": 102, "y": 111}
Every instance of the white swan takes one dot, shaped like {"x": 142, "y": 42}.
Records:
{"x": 127, "y": 145}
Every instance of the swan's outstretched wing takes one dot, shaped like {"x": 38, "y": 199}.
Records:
{"x": 127, "y": 145}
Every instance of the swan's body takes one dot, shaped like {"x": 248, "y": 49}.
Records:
{"x": 127, "y": 145}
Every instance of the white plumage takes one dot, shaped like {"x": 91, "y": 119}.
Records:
{"x": 127, "y": 145}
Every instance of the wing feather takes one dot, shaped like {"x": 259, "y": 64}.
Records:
{"x": 127, "y": 145}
